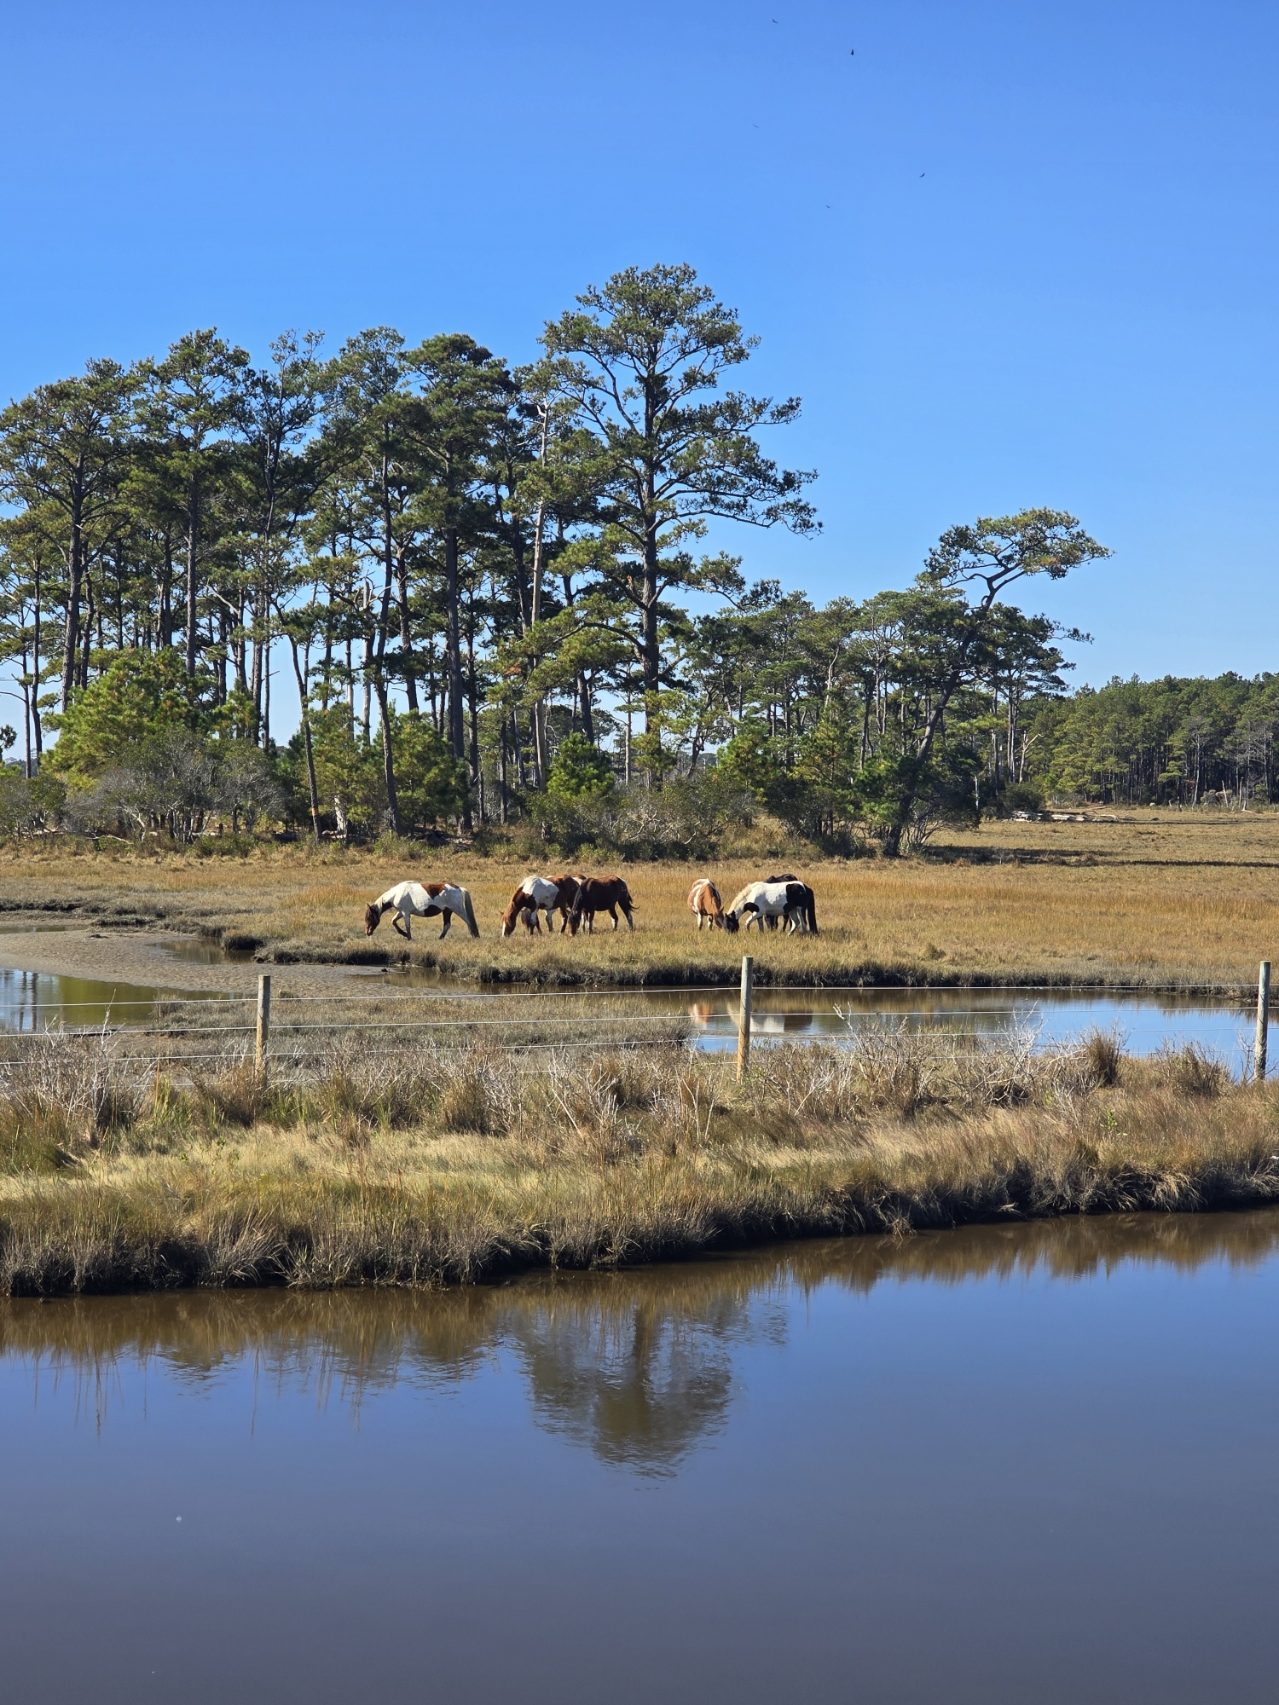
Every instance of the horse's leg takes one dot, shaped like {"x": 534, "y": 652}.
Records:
{"x": 401, "y": 923}
{"x": 448, "y": 919}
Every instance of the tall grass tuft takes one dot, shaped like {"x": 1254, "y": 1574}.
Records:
{"x": 443, "y": 1164}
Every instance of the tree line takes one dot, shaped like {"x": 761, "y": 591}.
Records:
{"x": 492, "y": 589}
{"x": 1167, "y": 742}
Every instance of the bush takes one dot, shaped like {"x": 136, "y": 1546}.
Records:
{"x": 29, "y": 805}
{"x": 685, "y": 819}
{"x": 1020, "y": 796}
{"x": 579, "y": 771}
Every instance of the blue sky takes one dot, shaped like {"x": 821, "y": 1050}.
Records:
{"x": 1073, "y": 305}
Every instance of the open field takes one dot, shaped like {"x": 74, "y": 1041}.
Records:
{"x": 1154, "y": 899}
{"x": 434, "y": 1169}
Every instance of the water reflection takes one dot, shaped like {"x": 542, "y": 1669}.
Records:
{"x": 639, "y": 1368}
{"x": 1147, "y": 1020}
{"x": 32, "y": 1001}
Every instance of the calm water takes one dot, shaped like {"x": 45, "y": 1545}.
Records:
{"x": 34, "y": 1000}
{"x": 1007, "y": 1464}
{"x": 1146, "y": 1020}
{"x": 40, "y": 1000}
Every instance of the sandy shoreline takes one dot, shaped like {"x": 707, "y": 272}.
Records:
{"x": 153, "y": 958}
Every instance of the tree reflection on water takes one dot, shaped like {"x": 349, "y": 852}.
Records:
{"x": 636, "y": 1366}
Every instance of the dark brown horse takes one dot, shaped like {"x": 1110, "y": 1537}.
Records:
{"x": 600, "y": 894}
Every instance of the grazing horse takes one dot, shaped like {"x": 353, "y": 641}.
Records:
{"x": 421, "y": 900}
{"x": 600, "y": 894}
{"x": 789, "y": 903}
{"x": 705, "y": 903}
{"x": 536, "y": 894}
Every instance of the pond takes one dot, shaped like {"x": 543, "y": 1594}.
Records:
{"x": 1008, "y": 1463}
{"x": 41, "y": 1000}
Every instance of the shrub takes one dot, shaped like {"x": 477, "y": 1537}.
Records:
{"x": 579, "y": 770}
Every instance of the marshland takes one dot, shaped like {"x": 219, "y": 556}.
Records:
{"x": 422, "y": 1147}
{"x": 1152, "y": 898}
{"x": 467, "y": 1162}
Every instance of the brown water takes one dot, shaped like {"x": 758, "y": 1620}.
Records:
{"x": 1007, "y": 1464}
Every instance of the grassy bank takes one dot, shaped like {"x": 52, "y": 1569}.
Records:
{"x": 426, "y": 1169}
{"x": 1158, "y": 900}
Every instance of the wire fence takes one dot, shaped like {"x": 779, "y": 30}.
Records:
{"x": 180, "y": 1028}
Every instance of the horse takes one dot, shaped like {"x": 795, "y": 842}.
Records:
{"x": 540, "y": 893}
{"x": 803, "y": 905}
{"x": 600, "y": 894}
{"x": 705, "y": 903}
{"x": 789, "y": 903}
{"x": 785, "y": 876}
{"x": 421, "y": 900}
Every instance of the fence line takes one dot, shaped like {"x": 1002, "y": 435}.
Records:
{"x": 604, "y": 991}
{"x": 746, "y": 1028}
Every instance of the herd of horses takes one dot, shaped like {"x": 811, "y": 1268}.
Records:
{"x": 777, "y": 902}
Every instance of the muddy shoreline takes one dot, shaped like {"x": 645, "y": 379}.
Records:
{"x": 153, "y": 957}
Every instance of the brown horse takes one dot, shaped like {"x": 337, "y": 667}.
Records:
{"x": 705, "y": 903}
{"x": 600, "y": 894}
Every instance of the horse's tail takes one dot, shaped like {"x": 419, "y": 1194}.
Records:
{"x": 810, "y": 908}
{"x": 468, "y": 911}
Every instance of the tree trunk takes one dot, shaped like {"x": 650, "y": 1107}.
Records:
{"x": 75, "y": 584}
{"x": 299, "y": 675}
{"x": 193, "y": 523}
{"x": 388, "y": 756}
{"x": 457, "y": 724}
{"x": 406, "y": 637}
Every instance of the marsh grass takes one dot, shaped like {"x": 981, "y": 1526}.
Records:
{"x": 441, "y": 1166}
{"x": 1157, "y": 899}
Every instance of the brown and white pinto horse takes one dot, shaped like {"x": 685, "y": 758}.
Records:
{"x": 537, "y": 894}
{"x": 421, "y": 900}
{"x": 705, "y": 903}
{"x": 600, "y": 894}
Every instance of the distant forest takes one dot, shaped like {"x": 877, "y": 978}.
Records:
{"x": 491, "y": 589}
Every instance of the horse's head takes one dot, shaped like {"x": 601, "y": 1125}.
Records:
{"x": 575, "y": 916}
{"x": 730, "y": 922}
{"x": 372, "y": 917}
{"x": 509, "y": 918}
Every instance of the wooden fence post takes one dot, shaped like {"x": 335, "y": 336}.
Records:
{"x": 744, "y": 1019}
{"x": 263, "y": 1038}
{"x": 1263, "y": 1023}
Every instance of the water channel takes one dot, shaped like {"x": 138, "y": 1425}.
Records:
{"x": 1002, "y": 1464}
{"x": 1146, "y": 1020}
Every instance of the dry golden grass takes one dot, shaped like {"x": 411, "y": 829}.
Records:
{"x": 1155, "y": 899}
{"x": 443, "y": 1169}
